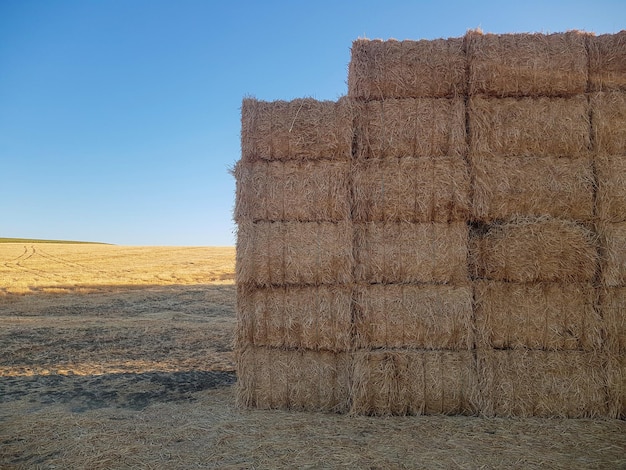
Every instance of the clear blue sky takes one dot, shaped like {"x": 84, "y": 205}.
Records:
{"x": 119, "y": 119}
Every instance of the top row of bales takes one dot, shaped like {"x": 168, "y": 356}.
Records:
{"x": 514, "y": 65}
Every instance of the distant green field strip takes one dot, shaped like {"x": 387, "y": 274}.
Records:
{"x": 35, "y": 240}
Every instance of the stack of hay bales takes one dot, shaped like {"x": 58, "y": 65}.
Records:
{"x": 411, "y": 201}
{"x": 449, "y": 238}
{"x": 607, "y": 87}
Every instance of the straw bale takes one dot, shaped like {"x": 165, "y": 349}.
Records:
{"x": 611, "y": 193}
{"x": 607, "y": 61}
{"x": 415, "y": 316}
{"x": 400, "y": 252}
{"x": 410, "y": 382}
{"x": 312, "y": 317}
{"x": 616, "y": 371}
{"x": 548, "y": 316}
{"x": 609, "y": 122}
{"x": 423, "y": 127}
{"x": 293, "y": 130}
{"x": 534, "y": 250}
{"x": 533, "y": 186}
{"x": 527, "y": 64}
{"x": 303, "y": 191}
{"x": 522, "y": 383}
{"x": 273, "y": 378}
{"x": 613, "y": 309}
{"x": 280, "y": 253}
{"x": 411, "y": 190}
{"x": 407, "y": 69}
{"x": 612, "y": 238}
{"x": 533, "y": 127}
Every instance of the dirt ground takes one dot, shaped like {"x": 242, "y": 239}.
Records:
{"x": 138, "y": 374}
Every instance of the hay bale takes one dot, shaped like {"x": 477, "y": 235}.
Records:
{"x": 272, "y": 378}
{"x": 304, "y": 191}
{"x": 409, "y": 382}
{"x": 527, "y": 64}
{"x": 609, "y": 122}
{"x": 548, "y": 316}
{"x": 613, "y": 310}
{"x": 612, "y": 237}
{"x": 292, "y": 253}
{"x": 534, "y": 250}
{"x": 407, "y": 69}
{"x": 505, "y": 187}
{"x": 312, "y": 317}
{"x": 616, "y": 372}
{"x": 399, "y": 252}
{"x": 296, "y": 130}
{"x": 611, "y": 193}
{"x": 411, "y": 190}
{"x": 529, "y": 127}
{"x": 607, "y": 61}
{"x": 414, "y": 316}
{"x": 522, "y": 383}
{"x": 424, "y": 127}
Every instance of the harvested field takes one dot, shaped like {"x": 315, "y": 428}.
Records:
{"x": 135, "y": 375}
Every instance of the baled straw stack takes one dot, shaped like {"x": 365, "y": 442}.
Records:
{"x": 607, "y": 61}
{"x": 609, "y": 122}
{"x": 616, "y": 371}
{"x": 547, "y": 316}
{"x": 527, "y": 64}
{"x": 294, "y": 130}
{"x": 292, "y": 253}
{"x": 407, "y": 69}
{"x": 613, "y": 309}
{"x": 293, "y": 379}
{"x": 534, "y": 250}
{"x": 388, "y": 252}
{"x": 303, "y": 191}
{"x": 311, "y": 317}
{"x": 410, "y": 382}
{"x": 611, "y": 192}
{"x": 612, "y": 238}
{"x": 505, "y": 187}
{"x": 424, "y": 127}
{"x": 529, "y": 127}
{"x": 415, "y": 316}
{"x": 423, "y": 189}
{"x": 521, "y": 383}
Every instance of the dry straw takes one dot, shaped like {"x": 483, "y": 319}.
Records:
{"x": 613, "y": 309}
{"x": 303, "y": 191}
{"x": 293, "y": 379}
{"x": 411, "y": 190}
{"x": 534, "y": 250}
{"x": 504, "y": 187}
{"x": 533, "y": 127}
{"x": 409, "y": 253}
{"x": 280, "y": 253}
{"x": 611, "y": 193}
{"x": 407, "y": 69}
{"x": 607, "y": 61}
{"x": 409, "y": 382}
{"x": 312, "y": 317}
{"x": 527, "y": 64}
{"x": 609, "y": 122}
{"x": 414, "y": 316}
{"x": 616, "y": 372}
{"x": 612, "y": 238}
{"x": 548, "y": 316}
{"x": 424, "y": 127}
{"x": 520, "y": 383}
{"x": 295, "y": 130}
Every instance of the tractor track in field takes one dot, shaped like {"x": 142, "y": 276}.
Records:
{"x": 18, "y": 263}
{"x": 70, "y": 264}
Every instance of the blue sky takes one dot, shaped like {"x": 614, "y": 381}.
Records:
{"x": 119, "y": 119}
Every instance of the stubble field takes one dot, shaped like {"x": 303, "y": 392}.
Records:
{"x": 121, "y": 357}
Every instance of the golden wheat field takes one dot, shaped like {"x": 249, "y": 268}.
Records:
{"x": 121, "y": 357}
